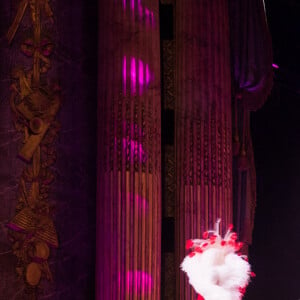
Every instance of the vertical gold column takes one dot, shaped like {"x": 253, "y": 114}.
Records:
{"x": 34, "y": 103}
{"x": 203, "y": 124}
{"x": 129, "y": 159}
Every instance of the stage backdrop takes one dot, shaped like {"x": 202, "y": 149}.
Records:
{"x": 73, "y": 65}
{"x": 129, "y": 152}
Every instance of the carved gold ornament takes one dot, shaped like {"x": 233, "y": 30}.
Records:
{"x": 34, "y": 105}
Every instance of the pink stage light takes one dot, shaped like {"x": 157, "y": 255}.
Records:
{"x": 139, "y": 75}
{"x": 275, "y": 66}
{"x": 134, "y": 150}
{"x": 138, "y": 282}
{"x": 147, "y": 15}
{"x": 140, "y": 8}
{"x": 143, "y": 12}
{"x": 124, "y": 75}
{"x": 148, "y": 76}
{"x": 133, "y": 75}
{"x": 132, "y": 4}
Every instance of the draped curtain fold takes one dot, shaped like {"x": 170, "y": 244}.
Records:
{"x": 203, "y": 124}
{"x": 252, "y": 76}
{"x": 129, "y": 159}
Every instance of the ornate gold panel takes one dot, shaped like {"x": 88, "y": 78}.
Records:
{"x": 34, "y": 104}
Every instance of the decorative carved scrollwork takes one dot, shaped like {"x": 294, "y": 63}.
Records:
{"x": 34, "y": 104}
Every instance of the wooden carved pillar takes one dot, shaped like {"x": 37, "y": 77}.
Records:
{"x": 203, "y": 124}
{"x": 34, "y": 103}
{"x": 129, "y": 160}
{"x": 168, "y": 42}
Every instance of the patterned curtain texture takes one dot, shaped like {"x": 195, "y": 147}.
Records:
{"x": 251, "y": 60}
{"x": 203, "y": 124}
{"x": 129, "y": 158}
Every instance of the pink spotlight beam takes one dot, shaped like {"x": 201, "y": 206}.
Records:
{"x": 132, "y": 4}
{"x": 141, "y": 76}
{"x": 133, "y": 75}
{"x": 134, "y": 149}
{"x": 139, "y": 281}
{"x": 124, "y": 74}
{"x": 148, "y": 76}
{"x": 141, "y": 73}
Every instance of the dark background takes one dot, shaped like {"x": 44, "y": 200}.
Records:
{"x": 275, "y": 252}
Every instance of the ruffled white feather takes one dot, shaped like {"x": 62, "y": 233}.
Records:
{"x": 214, "y": 269}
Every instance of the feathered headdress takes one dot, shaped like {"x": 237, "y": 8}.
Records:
{"x": 215, "y": 268}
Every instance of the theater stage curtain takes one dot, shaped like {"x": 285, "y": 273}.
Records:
{"x": 129, "y": 158}
{"x": 202, "y": 124}
{"x": 252, "y": 77}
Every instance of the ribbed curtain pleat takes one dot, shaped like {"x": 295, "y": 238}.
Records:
{"x": 129, "y": 158}
{"x": 203, "y": 124}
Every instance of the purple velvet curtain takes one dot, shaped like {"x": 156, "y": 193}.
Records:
{"x": 251, "y": 52}
{"x": 252, "y": 76}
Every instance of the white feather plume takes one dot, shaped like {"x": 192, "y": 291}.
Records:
{"x": 214, "y": 268}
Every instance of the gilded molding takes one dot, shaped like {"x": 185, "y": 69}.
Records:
{"x": 169, "y": 171}
{"x": 169, "y": 59}
{"x": 34, "y": 104}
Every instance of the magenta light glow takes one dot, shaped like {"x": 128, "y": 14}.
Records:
{"x": 147, "y": 15}
{"x": 140, "y": 8}
{"x": 148, "y": 76}
{"x": 124, "y": 75}
{"x": 143, "y": 12}
{"x": 275, "y": 66}
{"x": 134, "y": 150}
{"x": 132, "y": 4}
{"x": 141, "y": 73}
{"x": 133, "y": 75}
{"x": 138, "y": 76}
{"x": 137, "y": 282}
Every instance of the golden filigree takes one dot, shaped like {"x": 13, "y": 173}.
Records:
{"x": 34, "y": 106}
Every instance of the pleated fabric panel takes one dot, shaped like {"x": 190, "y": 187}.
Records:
{"x": 203, "y": 124}
{"x": 129, "y": 152}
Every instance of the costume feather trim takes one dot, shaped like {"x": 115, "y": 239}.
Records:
{"x": 213, "y": 267}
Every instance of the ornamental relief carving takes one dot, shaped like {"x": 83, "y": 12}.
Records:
{"x": 34, "y": 104}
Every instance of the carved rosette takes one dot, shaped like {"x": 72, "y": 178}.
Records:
{"x": 34, "y": 104}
